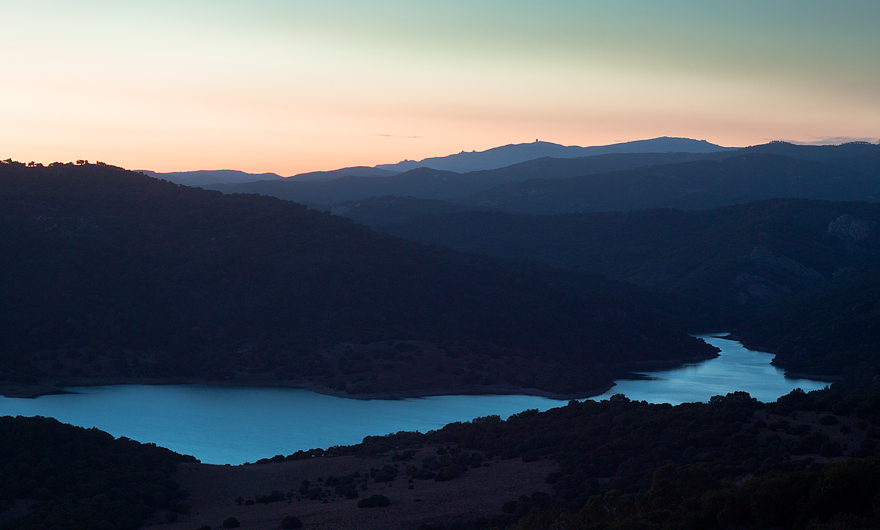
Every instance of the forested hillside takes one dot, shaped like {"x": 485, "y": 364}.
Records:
{"x": 109, "y": 273}
{"x": 798, "y": 278}
{"x": 736, "y": 257}
{"x": 833, "y": 329}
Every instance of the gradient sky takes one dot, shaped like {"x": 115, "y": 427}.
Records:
{"x": 292, "y": 86}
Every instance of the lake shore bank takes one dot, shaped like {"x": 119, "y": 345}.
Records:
{"x": 631, "y": 370}
{"x": 67, "y": 387}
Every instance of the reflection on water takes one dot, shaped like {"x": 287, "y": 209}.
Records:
{"x": 235, "y": 425}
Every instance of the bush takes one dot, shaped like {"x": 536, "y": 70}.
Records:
{"x": 291, "y": 522}
{"x": 828, "y": 419}
{"x": 386, "y": 474}
{"x": 831, "y": 449}
{"x": 349, "y": 491}
{"x": 231, "y": 522}
{"x": 447, "y": 473}
{"x": 424, "y": 474}
{"x": 275, "y": 496}
{"x": 376, "y": 501}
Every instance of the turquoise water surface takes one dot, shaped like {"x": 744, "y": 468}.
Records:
{"x": 222, "y": 425}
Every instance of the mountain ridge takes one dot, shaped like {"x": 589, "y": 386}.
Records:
{"x": 505, "y": 155}
{"x": 435, "y": 184}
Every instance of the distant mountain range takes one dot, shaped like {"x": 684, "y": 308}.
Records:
{"x": 461, "y": 163}
{"x": 203, "y": 177}
{"x": 746, "y": 176}
{"x": 515, "y": 153}
{"x": 621, "y": 181}
{"x": 358, "y": 171}
{"x": 816, "y": 152}
{"x": 426, "y": 183}
{"x": 664, "y": 150}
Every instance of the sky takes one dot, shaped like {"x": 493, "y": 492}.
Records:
{"x": 290, "y": 86}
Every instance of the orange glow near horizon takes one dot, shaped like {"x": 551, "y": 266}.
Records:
{"x": 288, "y": 88}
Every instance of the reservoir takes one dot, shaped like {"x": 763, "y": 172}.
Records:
{"x": 221, "y": 425}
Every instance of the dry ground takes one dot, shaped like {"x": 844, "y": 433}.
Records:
{"x": 479, "y": 492}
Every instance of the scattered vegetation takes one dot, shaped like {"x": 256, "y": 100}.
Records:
{"x": 732, "y": 461}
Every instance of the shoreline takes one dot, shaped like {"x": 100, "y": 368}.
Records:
{"x": 621, "y": 371}
{"x": 68, "y": 387}
{"x": 821, "y": 378}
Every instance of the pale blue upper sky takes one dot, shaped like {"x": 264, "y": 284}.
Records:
{"x": 291, "y": 86}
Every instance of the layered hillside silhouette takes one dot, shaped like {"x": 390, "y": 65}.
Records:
{"x": 204, "y": 177}
{"x": 693, "y": 185}
{"x": 739, "y": 255}
{"x": 610, "y": 182}
{"x": 426, "y": 183}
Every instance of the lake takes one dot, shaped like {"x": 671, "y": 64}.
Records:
{"x": 221, "y": 425}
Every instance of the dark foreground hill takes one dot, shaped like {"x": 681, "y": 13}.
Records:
{"x": 59, "y": 476}
{"x": 108, "y": 274}
{"x": 805, "y": 461}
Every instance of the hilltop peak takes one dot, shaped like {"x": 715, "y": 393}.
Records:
{"x": 510, "y": 154}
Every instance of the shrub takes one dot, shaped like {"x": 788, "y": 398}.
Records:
{"x": 275, "y": 496}
{"x": 831, "y": 449}
{"x": 828, "y": 419}
{"x": 231, "y": 522}
{"x": 386, "y": 474}
{"x": 424, "y": 474}
{"x": 376, "y": 501}
{"x": 447, "y": 473}
{"x": 291, "y": 522}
